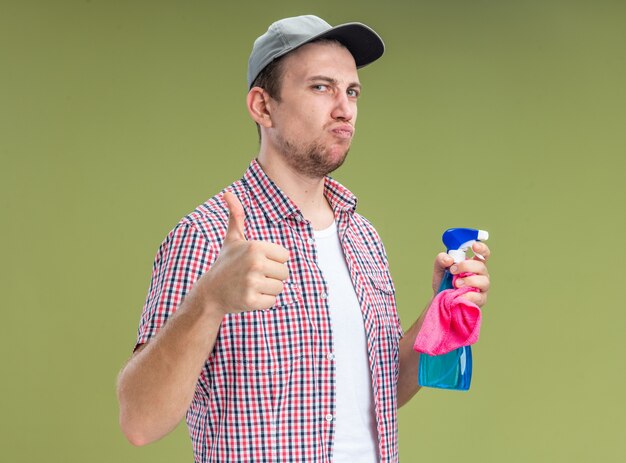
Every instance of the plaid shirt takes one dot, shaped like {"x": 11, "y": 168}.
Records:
{"x": 266, "y": 392}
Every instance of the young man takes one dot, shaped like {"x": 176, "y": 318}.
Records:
{"x": 282, "y": 340}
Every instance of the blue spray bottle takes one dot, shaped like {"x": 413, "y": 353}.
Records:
{"x": 454, "y": 369}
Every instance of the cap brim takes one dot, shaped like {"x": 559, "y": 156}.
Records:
{"x": 364, "y": 44}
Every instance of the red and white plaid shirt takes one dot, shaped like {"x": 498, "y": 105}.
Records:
{"x": 266, "y": 392}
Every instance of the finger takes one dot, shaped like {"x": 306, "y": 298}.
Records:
{"x": 271, "y": 287}
{"x": 480, "y": 299}
{"x": 479, "y": 282}
{"x": 276, "y": 270}
{"x": 262, "y": 301}
{"x": 442, "y": 262}
{"x": 236, "y": 218}
{"x": 469, "y": 266}
{"x": 481, "y": 251}
{"x": 276, "y": 252}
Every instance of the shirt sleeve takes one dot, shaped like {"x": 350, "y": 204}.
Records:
{"x": 182, "y": 258}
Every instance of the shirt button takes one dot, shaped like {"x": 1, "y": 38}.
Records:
{"x": 330, "y": 356}
{"x": 324, "y": 295}
{"x": 311, "y": 241}
{"x": 329, "y": 417}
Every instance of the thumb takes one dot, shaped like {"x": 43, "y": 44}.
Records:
{"x": 236, "y": 217}
{"x": 442, "y": 262}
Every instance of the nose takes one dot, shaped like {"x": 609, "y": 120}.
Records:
{"x": 344, "y": 108}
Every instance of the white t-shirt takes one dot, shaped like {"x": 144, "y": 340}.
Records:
{"x": 356, "y": 438}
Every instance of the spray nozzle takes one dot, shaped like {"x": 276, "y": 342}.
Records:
{"x": 459, "y": 240}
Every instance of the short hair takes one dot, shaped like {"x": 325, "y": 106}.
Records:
{"x": 269, "y": 79}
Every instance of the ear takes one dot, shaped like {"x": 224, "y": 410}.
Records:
{"x": 259, "y": 106}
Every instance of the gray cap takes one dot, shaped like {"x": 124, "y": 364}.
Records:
{"x": 288, "y": 34}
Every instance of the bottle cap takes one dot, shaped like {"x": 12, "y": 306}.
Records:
{"x": 457, "y": 254}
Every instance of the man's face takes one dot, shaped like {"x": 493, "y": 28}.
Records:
{"x": 313, "y": 123}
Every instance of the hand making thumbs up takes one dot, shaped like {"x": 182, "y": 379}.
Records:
{"x": 247, "y": 275}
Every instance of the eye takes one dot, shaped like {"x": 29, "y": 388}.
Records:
{"x": 320, "y": 87}
{"x": 353, "y": 93}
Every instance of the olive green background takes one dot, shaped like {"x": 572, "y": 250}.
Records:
{"x": 119, "y": 117}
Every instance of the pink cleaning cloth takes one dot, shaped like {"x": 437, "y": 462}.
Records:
{"x": 451, "y": 322}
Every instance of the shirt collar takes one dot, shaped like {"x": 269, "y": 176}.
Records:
{"x": 340, "y": 198}
{"x": 277, "y": 206}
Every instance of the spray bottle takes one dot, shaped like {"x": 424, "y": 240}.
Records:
{"x": 454, "y": 369}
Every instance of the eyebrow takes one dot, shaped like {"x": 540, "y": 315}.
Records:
{"x": 332, "y": 81}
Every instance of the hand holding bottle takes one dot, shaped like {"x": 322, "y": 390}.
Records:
{"x": 453, "y": 369}
{"x": 477, "y": 265}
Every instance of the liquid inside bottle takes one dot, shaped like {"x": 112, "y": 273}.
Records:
{"x": 449, "y": 371}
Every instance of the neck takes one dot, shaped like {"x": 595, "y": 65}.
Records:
{"x": 305, "y": 192}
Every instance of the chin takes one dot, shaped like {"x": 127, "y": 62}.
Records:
{"x": 338, "y": 152}
{"x": 336, "y": 160}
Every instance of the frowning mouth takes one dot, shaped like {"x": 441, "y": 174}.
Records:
{"x": 343, "y": 131}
